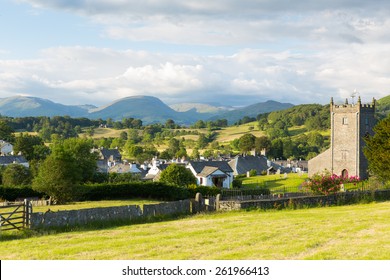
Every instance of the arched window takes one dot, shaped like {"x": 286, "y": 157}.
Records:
{"x": 344, "y": 173}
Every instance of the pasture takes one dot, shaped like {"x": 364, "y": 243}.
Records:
{"x": 276, "y": 183}
{"x": 92, "y": 204}
{"x": 345, "y": 232}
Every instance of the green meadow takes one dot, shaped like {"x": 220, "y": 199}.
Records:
{"x": 345, "y": 232}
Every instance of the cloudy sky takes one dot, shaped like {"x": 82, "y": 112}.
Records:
{"x": 231, "y": 52}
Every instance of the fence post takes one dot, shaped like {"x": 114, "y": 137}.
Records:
{"x": 199, "y": 201}
{"x": 26, "y": 214}
{"x": 217, "y": 200}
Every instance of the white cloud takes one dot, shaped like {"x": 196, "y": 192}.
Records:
{"x": 301, "y": 52}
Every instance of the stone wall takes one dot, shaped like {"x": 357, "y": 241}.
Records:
{"x": 130, "y": 212}
{"x": 306, "y": 201}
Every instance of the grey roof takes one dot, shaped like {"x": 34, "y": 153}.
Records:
{"x": 5, "y": 160}
{"x": 243, "y": 164}
{"x": 207, "y": 170}
{"x": 107, "y": 153}
{"x": 200, "y": 165}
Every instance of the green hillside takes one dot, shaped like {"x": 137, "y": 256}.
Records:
{"x": 252, "y": 110}
{"x": 383, "y": 107}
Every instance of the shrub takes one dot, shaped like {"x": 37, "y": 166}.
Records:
{"x": 252, "y": 173}
{"x": 237, "y": 183}
{"x": 325, "y": 184}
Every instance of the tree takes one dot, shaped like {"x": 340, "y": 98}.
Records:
{"x": 246, "y": 142}
{"x": 16, "y": 175}
{"x": 28, "y": 145}
{"x": 262, "y": 143}
{"x": 177, "y": 175}
{"x": 6, "y": 132}
{"x": 58, "y": 177}
{"x": 377, "y": 150}
{"x": 170, "y": 124}
{"x": 78, "y": 150}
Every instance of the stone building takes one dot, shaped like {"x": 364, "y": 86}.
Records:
{"x": 350, "y": 123}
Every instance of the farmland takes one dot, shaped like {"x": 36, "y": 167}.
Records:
{"x": 346, "y": 232}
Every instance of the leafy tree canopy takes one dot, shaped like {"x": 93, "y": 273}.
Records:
{"x": 377, "y": 150}
{"x": 177, "y": 175}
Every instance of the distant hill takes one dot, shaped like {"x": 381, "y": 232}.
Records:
{"x": 253, "y": 110}
{"x": 23, "y": 106}
{"x": 200, "y": 108}
{"x": 147, "y": 108}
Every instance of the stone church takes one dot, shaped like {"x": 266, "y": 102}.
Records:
{"x": 350, "y": 123}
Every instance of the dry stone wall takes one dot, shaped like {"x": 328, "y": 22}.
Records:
{"x": 130, "y": 212}
{"x": 307, "y": 201}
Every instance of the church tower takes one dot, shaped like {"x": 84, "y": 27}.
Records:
{"x": 350, "y": 123}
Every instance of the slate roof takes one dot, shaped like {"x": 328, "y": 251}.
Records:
{"x": 243, "y": 164}
{"x": 107, "y": 153}
{"x": 5, "y": 160}
{"x": 200, "y": 165}
{"x": 207, "y": 170}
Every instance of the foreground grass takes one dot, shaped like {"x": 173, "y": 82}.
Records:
{"x": 347, "y": 232}
{"x": 93, "y": 204}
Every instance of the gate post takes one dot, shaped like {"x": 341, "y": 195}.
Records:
{"x": 26, "y": 222}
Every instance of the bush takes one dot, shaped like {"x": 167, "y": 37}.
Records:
{"x": 236, "y": 184}
{"x": 325, "y": 184}
{"x": 252, "y": 173}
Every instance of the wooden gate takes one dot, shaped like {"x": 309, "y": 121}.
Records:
{"x": 15, "y": 215}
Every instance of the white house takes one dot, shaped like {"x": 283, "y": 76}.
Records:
{"x": 212, "y": 173}
{"x": 6, "y": 148}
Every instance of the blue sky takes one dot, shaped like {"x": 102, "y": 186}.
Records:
{"x": 223, "y": 51}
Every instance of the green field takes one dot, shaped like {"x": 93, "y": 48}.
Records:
{"x": 345, "y": 232}
{"x": 92, "y": 204}
{"x": 276, "y": 183}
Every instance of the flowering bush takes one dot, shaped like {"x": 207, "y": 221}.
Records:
{"x": 327, "y": 183}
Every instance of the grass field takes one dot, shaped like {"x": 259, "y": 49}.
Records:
{"x": 228, "y": 134}
{"x": 93, "y": 204}
{"x": 277, "y": 182}
{"x": 344, "y": 232}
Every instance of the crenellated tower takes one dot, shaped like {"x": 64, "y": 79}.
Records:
{"x": 350, "y": 123}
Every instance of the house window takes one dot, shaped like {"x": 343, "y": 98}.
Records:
{"x": 200, "y": 181}
{"x": 345, "y": 120}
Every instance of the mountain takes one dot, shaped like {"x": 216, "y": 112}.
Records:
{"x": 200, "y": 108}
{"x": 22, "y": 106}
{"x": 252, "y": 110}
{"x": 147, "y": 108}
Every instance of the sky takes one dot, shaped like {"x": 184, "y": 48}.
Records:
{"x": 225, "y": 52}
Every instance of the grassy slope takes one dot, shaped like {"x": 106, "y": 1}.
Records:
{"x": 347, "y": 232}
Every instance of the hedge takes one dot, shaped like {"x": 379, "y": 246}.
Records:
{"x": 107, "y": 191}
{"x": 14, "y": 193}
{"x": 153, "y": 190}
